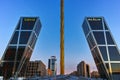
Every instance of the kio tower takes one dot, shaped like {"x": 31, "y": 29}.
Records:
{"x": 19, "y": 50}
{"x": 103, "y": 47}
{"x": 62, "y": 39}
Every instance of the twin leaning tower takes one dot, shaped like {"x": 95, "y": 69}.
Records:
{"x": 20, "y": 47}
{"x": 102, "y": 45}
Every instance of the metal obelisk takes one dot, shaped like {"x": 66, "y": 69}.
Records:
{"x": 62, "y": 39}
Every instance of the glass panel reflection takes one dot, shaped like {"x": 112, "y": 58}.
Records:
{"x": 20, "y": 52}
{"x": 7, "y": 69}
{"x": 15, "y": 38}
{"x": 91, "y": 41}
{"x": 37, "y": 28}
{"x": 115, "y": 68}
{"x": 86, "y": 28}
{"x": 109, "y": 38}
{"x": 103, "y": 52}
{"x": 106, "y": 28}
{"x": 24, "y": 37}
{"x": 18, "y": 26}
{"x": 10, "y": 53}
{"x": 99, "y": 36}
{"x": 33, "y": 40}
{"x": 114, "y": 54}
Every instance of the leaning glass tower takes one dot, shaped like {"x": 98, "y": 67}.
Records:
{"x": 103, "y": 47}
{"x": 20, "y": 47}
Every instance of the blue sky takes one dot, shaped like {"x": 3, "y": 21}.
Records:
{"x": 48, "y": 43}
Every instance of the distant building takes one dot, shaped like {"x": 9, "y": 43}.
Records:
{"x": 74, "y": 73}
{"x": 36, "y": 68}
{"x": 52, "y": 66}
{"x": 88, "y": 70}
{"x": 95, "y": 74}
{"x": 83, "y": 69}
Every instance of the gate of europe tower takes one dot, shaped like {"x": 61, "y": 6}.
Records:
{"x": 20, "y": 47}
{"x": 103, "y": 47}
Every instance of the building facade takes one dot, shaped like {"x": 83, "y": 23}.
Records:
{"x": 52, "y": 66}
{"x": 103, "y": 47}
{"x": 20, "y": 47}
{"x": 83, "y": 69}
{"x": 88, "y": 70}
{"x": 36, "y": 68}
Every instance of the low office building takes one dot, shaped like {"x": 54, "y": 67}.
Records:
{"x": 36, "y": 68}
{"x": 95, "y": 74}
{"x": 74, "y": 73}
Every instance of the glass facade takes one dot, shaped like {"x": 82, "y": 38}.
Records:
{"x": 99, "y": 36}
{"x": 103, "y": 48}
{"x": 24, "y": 37}
{"x": 20, "y": 47}
{"x": 15, "y": 38}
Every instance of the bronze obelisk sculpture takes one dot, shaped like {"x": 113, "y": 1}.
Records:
{"x": 62, "y": 39}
